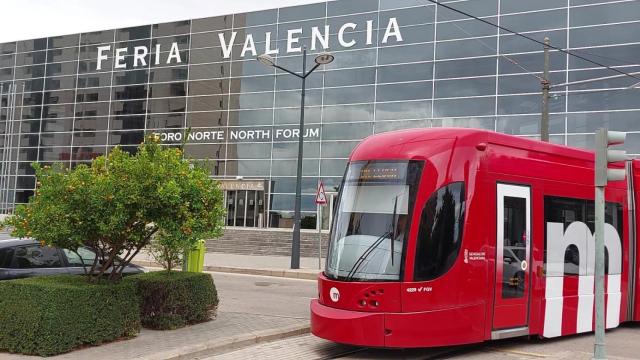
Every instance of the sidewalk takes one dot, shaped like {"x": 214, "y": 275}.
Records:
{"x": 251, "y": 264}
{"x": 227, "y": 332}
{"x": 241, "y": 322}
{"x": 252, "y": 310}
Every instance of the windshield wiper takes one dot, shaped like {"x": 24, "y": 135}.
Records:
{"x": 365, "y": 254}
{"x": 393, "y": 227}
{"x": 375, "y": 244}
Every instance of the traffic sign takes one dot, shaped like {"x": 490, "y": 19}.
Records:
{"x": 321, "y": 197}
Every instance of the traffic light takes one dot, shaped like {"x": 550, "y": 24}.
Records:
{"x": 604, "y": 156}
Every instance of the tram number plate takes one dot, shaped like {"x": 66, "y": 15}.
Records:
{"x": 419, "y": 289}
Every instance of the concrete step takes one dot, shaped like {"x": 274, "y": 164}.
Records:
{"x": 264, "y": 242}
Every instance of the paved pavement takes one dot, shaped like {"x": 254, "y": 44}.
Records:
{"x": 252, "y": 309}
{"x": 622, "y": 344}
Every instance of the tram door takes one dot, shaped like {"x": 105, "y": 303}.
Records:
{"x": 513, "y": 242}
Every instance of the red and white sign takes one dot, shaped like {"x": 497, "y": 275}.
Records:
{"x": 321, "y": 197}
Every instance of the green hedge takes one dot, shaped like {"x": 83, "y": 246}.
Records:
{"x": 175, "y": 299}
{"x": 52, "y": 315}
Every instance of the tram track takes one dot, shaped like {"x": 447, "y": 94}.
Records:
{"x": 344, "y": 354}
{"x": 442, "y": 354}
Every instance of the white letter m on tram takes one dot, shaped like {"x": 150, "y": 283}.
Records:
{"x": 558, "y": 241}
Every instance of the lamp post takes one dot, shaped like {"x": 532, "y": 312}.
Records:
{"x": 321, "y": 59}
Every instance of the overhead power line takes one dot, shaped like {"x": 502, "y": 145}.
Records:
{"x": 514, "y": 62}
{"x": 623, "y": 62}
{"x": 534, "y": 40}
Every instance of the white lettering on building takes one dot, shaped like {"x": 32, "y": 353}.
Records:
{"x": 322, "y": 38}
{"x": 120, "y": 53}
{"x": 341, "y": 39}
{"x": 293, "y": 39}
{"x": 226, "y": 47}
{"x": 247, "y": 134}
{"x": 249, "y": 45}
{"x": 102, "y": 56}
{"x": 392, "y": 30}
{"x": 139, "y": 55}
{"x": 319, "y": 40}
{"x": 174, "y": 53}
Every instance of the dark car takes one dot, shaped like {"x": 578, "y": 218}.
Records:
{"x": 21, "y": 258}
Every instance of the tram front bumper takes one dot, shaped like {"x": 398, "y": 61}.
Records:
{"x": 444, "y": 327}
{"x": 346, "y": 326}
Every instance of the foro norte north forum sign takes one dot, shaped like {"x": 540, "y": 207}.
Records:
{"x": 238, "y": 135}
{"x": 319, "y": 40}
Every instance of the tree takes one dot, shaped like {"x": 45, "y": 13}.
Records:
{"x": 117, "y": 204}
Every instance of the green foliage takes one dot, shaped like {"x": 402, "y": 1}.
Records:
{"x": 169, "y": 300}
{"x": 52, "y": 315}
{"x": 116, "y": 205}
{"x": 167, "y": 251}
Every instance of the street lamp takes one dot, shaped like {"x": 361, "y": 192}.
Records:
{"x": 321, "y": 59}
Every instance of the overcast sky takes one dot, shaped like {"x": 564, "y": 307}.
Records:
{"x": 30, "y": 19}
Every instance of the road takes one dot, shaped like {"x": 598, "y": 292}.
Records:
{"x": 622, "y": 343}
{"x": 284, "y": 297}
{"x": 264, "y": 295}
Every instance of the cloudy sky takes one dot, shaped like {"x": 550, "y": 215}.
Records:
{"x": 30, "y": 19}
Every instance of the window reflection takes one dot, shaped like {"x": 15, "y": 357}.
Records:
{"x": 172, "y": 28}
{"x": 348, "y": 113}
{"x": 365, "y": 90}
{"x": 464, "y": 107}
{"x": 409, "y": 91}
{"x": 406, "y": 110}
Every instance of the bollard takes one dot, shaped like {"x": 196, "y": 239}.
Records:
{"x": 195, "y": 258}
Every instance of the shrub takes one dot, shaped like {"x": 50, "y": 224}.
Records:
{"x": 55, "y": 314}
{"x": 116, "y": 205}
{"x": 170, "y": 300}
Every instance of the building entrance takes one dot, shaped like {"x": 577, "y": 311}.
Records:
{"x": 245, "y": 202}
{"x": 245, "y": 208}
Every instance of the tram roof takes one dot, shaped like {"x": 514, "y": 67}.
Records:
{"x": 465, "y": 137}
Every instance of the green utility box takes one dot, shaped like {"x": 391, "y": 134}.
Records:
{"x": 194, "y": 259}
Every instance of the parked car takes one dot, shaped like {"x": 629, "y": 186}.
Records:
{"x": 513, "y": 271}
{"x": 21, "y": 258}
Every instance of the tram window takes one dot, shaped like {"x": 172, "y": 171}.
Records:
{"x": 440, "y": 232}
{"x": 571, "y": 260}
{"x": 567, "y": 211}
{"x": 514, "y": 247}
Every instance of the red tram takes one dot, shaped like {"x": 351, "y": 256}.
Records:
{"x": 455, "y": 236}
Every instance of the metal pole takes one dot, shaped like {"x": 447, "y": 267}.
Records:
{"x": 601, "y": 177}
{"x": 319, "y": 236}
{"x": 544, "y": 123}
{"x": 599, "y": 349}
{"x": 295, "y": 245}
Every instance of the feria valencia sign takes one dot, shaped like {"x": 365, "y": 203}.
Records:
{"x": 319, "y": 40}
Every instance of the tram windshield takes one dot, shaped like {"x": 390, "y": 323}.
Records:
{"x": 372, "y": 220}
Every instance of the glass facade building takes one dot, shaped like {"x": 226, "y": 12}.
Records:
{"x": 398, "y": 64}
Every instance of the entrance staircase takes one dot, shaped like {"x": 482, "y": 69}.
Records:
{"x": 266, "y": 242}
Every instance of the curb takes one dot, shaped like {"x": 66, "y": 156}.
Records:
{"x": 292, "y": 274}
{"x": 227, "y": 344}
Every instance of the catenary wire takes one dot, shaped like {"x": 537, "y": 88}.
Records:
{"x": 514, "y": 62}
{"x": 532, "y": 39}
{"x": 623, "y": 62}
{"x": 561, "y": 93}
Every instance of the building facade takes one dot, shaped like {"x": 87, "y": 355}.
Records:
{"x": 398, "y": 64}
